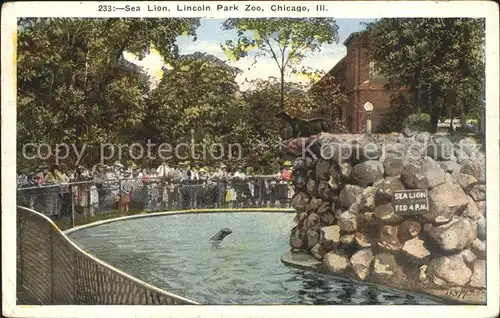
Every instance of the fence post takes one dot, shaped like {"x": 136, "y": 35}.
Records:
{"x": 51, "y": 242}
{"x": 72, "y": 194}
{"x": 162, "y": 196}
{"x": 119, "y": 194}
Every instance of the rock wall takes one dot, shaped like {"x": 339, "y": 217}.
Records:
{"x": 344, "y": 187}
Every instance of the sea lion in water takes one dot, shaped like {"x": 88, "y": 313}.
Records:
{"x": 221, "y": 235}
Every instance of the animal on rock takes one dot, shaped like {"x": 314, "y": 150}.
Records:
{"x": 304, "y": 127}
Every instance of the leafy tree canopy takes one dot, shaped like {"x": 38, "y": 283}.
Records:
{"x": 285, "y": 40}
{"x": 439, "y": 61}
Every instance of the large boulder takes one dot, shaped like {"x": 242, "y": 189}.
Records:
{"x": 335, "y": 261}
{"x": 299, "y": 164}
{"x": 441, "y": 148}
{"x": 471, "y": 211}
{"x": 325, "y": 207}
{"x": 465, "y": 181}
{"x": 415, "y": 151}
{"x": 318, "y": 252}
{"x": 475, "y": 168}
{"x": 299, "y": 201}
{"x": 328, "y": 218}
{"x": 312, "y": 238}
{"x": 345, "y": 171}
{"x": 450, "y": 270}
{"x": 384, "y": 214}
{"x": 481, "y": 228}
{"x": 298, "y": 238}
{"x": 346, "y": 240}
{"x": 393, "y": 166}
{"x": 330, "y": 236}
{"x": 361, "y": 240}
{"x": 388, "y": 238}
{"x": 445, "y": 200}
{"x": 469, "y": 146}
{"x": 478, "y": 247}
{"x": 325, "y": 192}
{"x": 349, "y": 194}
{"x": 415, "y": 251}
{"x": 423, "y": 173}
{"x": 313, "y": 205}
{"x": 423, "y": 137}
{"x": 408, "y": 230}
{"x": 336, "y": 151}
{"x": 313, "y": 222}
{"x": 449, "y": 165}
{"x": 311, "y": 187}
{"x": 481, "y": 205}
{"x": 322, "y": 169}
{"x": 478, "y": 278}
{"x": 468, "y": 256}
{"x": 366, "y": 202}
{"x": 454, "y": 236}
{"x": 348, "y": 222}
{"x": 386, "y": 270}
{"x": 478, "y": 192}
{"x": 368, "y": 172}
{"x": 299, "y": 180}
{"x": 386, "y": 190}
{"x": 360, "y": 263}
{"x": 300, "y": 218}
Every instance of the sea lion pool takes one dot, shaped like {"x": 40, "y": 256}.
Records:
{"x": 174, "y": 252}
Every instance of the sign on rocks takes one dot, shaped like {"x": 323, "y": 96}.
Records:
{"x": 410, "y": 202}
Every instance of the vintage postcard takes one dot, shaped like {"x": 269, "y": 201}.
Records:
{"x": 250, "y": 159}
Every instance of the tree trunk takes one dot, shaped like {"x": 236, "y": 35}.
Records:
{"x": 434, "y": 107}
{"x": 282, "y": 97}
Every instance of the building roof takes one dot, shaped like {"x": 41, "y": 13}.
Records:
{"x": 351, "y": 37}
{"x": 337, "y": 66}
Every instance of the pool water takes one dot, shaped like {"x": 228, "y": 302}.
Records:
{"x": 174, "y": 253}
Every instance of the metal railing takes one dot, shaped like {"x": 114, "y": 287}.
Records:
{"x": 91, "y": 198}
{"x": 52, "y": 270}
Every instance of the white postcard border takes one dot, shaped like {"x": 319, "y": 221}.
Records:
{"x": 344, "y": 9}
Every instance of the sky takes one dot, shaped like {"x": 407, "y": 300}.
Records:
{"x": 210, "y": 36}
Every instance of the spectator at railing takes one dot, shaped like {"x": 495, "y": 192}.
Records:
{"x": 194, "y": 175}
{"x": 239, "y": 173}
{"x": 163, "y": 170}
{"x": 126, "y": 187}
{"x": 286, "y": 171}
{"x": 56, "y": 176}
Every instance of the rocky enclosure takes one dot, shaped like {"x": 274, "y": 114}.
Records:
{"x": 344, "y": 187}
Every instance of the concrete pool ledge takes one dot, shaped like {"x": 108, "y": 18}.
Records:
{"x": 178, "y": 212}
{"x": 304, "y": 261}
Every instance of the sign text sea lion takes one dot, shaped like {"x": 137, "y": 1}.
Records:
{"x": 410, "y": 202}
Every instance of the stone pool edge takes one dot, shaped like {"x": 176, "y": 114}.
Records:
{"x": 176, "y": 212}
{"x": 307, "y": 262}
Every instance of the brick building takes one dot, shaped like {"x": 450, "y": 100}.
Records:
{"x": 357, "y": 75}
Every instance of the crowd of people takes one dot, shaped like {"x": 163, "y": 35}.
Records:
{"x": 104, "y": 187}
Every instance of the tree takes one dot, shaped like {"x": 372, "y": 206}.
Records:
{"x": 285, "y": 40}
{"x": 73, "y": 85}
{"x": 329, "y": 100}
{"x": 439, "y": 61}
{"x": 199, "y": 93}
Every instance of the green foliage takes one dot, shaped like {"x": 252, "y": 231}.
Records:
{"x": 73, "y": 85}
{"x": 418, "y": 120}
{"x": 439, "y": 61}
{"x": 393, "y": 119}
{"x": 285, "y": 40}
